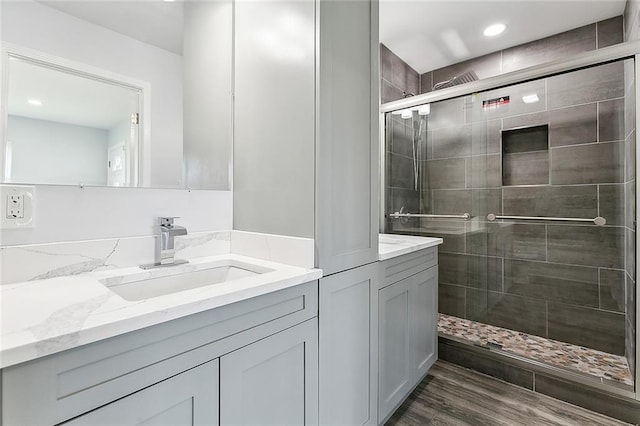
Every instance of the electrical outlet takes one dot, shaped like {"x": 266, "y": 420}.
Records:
{"x": 15, "y": 206}
{"x": 18, "y": 206}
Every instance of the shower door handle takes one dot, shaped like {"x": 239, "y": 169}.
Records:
{"x": 464, "y": 216}
{"x": 600, "y": 221}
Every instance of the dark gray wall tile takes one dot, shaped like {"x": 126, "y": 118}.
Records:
{"x": 452, "y": 142}
{"x": 451, "y": 299}
{"x": 448, "y": 113}
{"x": 611, "y": 120}
{"x": 451, "y": 232}
{"x": 470, "y": 271}
{"x": 592, "y": 328}
{"x": 490, "y": 366}
{"x": 555, "y": 201}
{"x": 477, "y": 202}
{"x": 577, "y": 285}
{"x": 526, "y": 168}
{"x": 573, "y": 125}
{"x": 389, "y": 92}
{"x": 630, "y": 204}
{"x": 610, "y": 32}
{"x": 630, "y": 252}
{"x": 485, "y": 137}
{"x": 385, "y": 62}
{"x": 401, "y": 173}
{"x": 586, "y": 245}
{"x": 413, "y": 82}
{"x": 426, "y": 82}
{"x": 611, "y": 204}
{"x": 509, "y": 240}
{"x": 444, "y": 174}
{"x": 593, "y": 163}
{"x": 589, "y": 85}
{"x": 574, "y": 393}
{"x": 630, "y": 300}
{"x": 484, "y": 171}
{"x": 516, "y": 313}
{"x": 401, "y": 137}
{"x": 548, "y": 49}
{"x": 612, "y": 288}
{"x": 484, "y": 67}
{"x": 630, "y": 157}
{"x": 398, "y": 198}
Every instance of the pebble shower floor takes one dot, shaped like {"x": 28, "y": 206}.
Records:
{"x": 551, "y": 352}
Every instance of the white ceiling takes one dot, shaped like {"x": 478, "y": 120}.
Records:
{"x": 155, "y": 22}
{"x": 67, "y": 98}
{"x": 424, "y": 33}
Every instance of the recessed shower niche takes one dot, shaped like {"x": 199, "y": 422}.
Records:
{"x": 525, "y": 156}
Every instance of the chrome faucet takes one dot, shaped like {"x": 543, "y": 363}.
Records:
{"x": 165, "y": 250}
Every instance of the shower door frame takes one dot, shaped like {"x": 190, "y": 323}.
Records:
{"x": 627, "y": 50}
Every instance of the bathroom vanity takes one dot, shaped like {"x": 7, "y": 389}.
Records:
{"x": 244, "y": 350}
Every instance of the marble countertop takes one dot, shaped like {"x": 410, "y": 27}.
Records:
{"x": 46, "y": 316}
{"x": 392, "y": 245}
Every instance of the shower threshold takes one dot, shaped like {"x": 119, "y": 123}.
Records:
{"x": 601, "y": 365}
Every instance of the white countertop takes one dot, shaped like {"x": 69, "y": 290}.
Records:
{"x": 45, "y": 316}
{"x": 392, "y": 245}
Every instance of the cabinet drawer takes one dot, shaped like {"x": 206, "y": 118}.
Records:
{"x": 73, "y": 382}
{"x": 401, "y": 267}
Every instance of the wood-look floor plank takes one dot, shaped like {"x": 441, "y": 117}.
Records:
{"x": 452, "y": 395}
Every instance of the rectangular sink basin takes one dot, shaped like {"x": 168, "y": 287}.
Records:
{"x": 140, "y": 286}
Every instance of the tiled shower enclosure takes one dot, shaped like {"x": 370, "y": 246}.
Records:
{"x": 561, "y": 146}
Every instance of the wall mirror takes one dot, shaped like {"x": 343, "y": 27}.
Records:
{"x": 127, "y": 93}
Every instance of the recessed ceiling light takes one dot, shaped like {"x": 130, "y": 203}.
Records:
{"x": 494, "y": 30}
{"x": 36, "y": 102}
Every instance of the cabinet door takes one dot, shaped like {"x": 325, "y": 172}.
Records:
{"x": 190, "y": 398}
{"x": 347, "y": 347}
{"x": 423, "y": 311}
{"x": 395, "y": 372}
{"x": 273, "y": 381}
{"x": 347, "y": 144}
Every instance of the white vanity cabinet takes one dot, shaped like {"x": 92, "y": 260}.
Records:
{"x": 257, "y": 356}
{"x": 407, "y": 318}
{"x": 348, "y": 342}
{"x": 189, "y": 398}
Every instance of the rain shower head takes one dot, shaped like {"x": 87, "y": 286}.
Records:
{"x": 466, "y": 77}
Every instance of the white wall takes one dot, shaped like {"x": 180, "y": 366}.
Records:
{"x": 207, "y": 67}
{"x": 65, "y": 213}
{"x": 45, "y": 151}
{"x": 35, "y": 26}
{"x": 274, "y": 122}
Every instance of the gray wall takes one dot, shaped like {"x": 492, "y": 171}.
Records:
{"x": 563, "y": 281}
{"x": 273, "y": 186}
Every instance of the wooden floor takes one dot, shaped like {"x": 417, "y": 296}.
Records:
{"x": 453, "y": 395}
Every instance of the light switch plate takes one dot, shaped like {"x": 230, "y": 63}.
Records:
{"x": 18, "y": 206}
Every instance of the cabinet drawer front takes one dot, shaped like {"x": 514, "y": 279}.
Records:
{"x": 401, "y": 267}
{"x": 73, "y": 382}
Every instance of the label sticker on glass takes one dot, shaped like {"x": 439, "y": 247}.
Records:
{"x": 495, "y": 102}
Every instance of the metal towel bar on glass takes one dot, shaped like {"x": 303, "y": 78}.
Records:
{"x": 397, "y": 215}
{"x": 600, "y": 221}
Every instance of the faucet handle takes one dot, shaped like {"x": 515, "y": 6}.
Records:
{"x": 168, "y": 220}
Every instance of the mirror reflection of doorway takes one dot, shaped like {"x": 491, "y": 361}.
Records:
{"x": 116, "y": 165}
